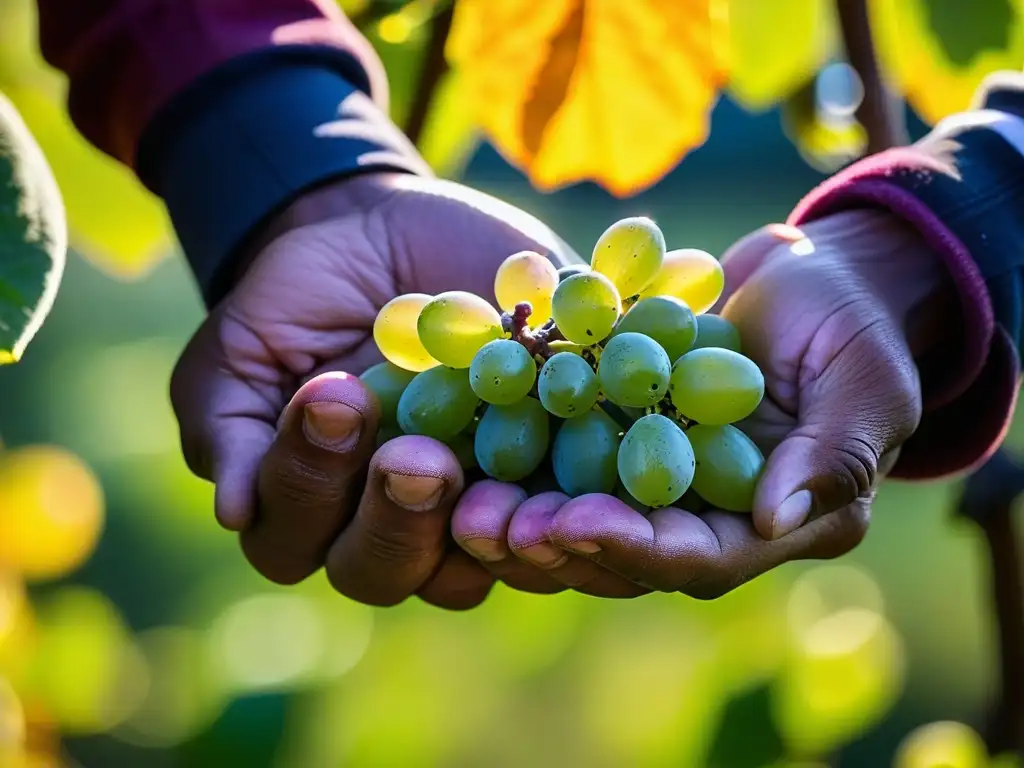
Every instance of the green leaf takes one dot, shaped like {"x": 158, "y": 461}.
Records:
{"x": 937, "y": 53}
{"x": 33, "y": 235}
{"x": 113, "y": 221}
{"x": 776, "y": 46}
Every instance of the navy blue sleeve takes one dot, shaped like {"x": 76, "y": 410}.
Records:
{"x": 244, "y": 141}
{"x": 980, "y": 196}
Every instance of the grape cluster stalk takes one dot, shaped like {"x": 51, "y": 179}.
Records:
{"x": 612, "y": 374}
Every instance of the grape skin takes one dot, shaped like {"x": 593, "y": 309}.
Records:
{"x": 689, "y": 274}
{"x": 567, "y": 385}
{"x": 502, "y": 372}
{"x": 716, "y": 386}
{"x": 629, "y": 253}
{"x": 512, "y": 440}
{"x": 585, "y": 307}
{"x": 526, "y": 277}
{"x": 572, "y": 269}
{"x": 395, "y": 332}
{"x": 666, "y": 319}
{"x": 438, "y": 403}
{"x": 585, "y": 453}
{"x": 455, "y": 324}
{"x": 716, "y": 331}
{"x": 462, "y": 447}
{"x": 729, "y": 465}
{"x": 387, "y": 381}
{"x": 655, "y": 461}
{"x": 634, "y": 370}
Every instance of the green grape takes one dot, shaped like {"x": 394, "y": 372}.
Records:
{"x": 387, "y": 381}
{"x": 629, "y": 253}
{"x": 572, "y": 269}
{"x": 511, "y": 440}
{"x": 634, "y": 370}
{"x": 716, "y": 386}
{"x": 394, "y": 331}
{"x": 387, "y": 433}
{"x": 694, "y": 276}
{"x": 585, "y": 307}
{"x": 502, "y": 372}
{"x": 526, "y": 276}
{"x": 454, "y": 325}
{"x": 567, "y": 385}
{"x": 728, "y": 466}
{"x": 716, "y": 331}
{"x": 438, "y": 403}
{"x": 665, "y": 319}
{"x": 584, "y": 454}
{"x": 462, "y": 447}
{"x": 561, "y": 345}
{"x": 655, "y": 461}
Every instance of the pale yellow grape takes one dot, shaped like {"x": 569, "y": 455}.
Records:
{"x": 689, "y": 274}
{"x": 586, "y": 307}
{"x": 629, "y": 253}
{"x": 526, "y": 276}
{"x": 455, "y": 324}
{"x": 396, "y": 336}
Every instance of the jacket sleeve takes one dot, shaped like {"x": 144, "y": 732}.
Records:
{"x": 962, "y": 187}
{"x": 227, "y": 109}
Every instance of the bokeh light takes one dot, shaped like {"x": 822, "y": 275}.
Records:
{"x": 51, "y": 511}
{"x": 942, "y": 745}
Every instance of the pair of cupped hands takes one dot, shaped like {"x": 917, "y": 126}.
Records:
{"x": 272, "y": 411}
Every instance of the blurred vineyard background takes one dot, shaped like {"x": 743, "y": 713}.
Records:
{"x": 132, "y": 633}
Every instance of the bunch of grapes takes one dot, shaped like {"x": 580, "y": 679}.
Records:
{"x": 611, "y": 373}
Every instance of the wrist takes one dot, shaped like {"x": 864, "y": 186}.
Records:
{"x": 898, "y": 266}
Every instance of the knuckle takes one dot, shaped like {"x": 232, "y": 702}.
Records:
{"x": 296, "y": 483}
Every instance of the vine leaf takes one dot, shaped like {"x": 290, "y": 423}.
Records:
{"x": 575, "y": 90}
{"x": 937, "y": 55}
{"x": 776, "y": 47}
{"x": 33, "y": 235}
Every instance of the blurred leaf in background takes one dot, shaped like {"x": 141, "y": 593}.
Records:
{"x": 938, "y": 51}
{"x": 776, "y": 47}
{"x": 569, "y": 90}
{"x": 33, "y": 235}
{"x": 112, "y": 219}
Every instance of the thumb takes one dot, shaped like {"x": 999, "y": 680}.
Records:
{"x": 858, "y": 402}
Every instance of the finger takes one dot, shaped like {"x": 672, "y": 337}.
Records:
{"x": 480, "y": 526}
{"x": 702, "y": 556}
{"x": 306, "y": 479}
{"x": 460, "y": 583}
{"x": 398, "y": 536}
{"x": 530, "y": 538}
{"x": 747, "y": 254}
{"x": 861, "y": 405}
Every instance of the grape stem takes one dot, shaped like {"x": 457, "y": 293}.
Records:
{"x": 537, "y": 342}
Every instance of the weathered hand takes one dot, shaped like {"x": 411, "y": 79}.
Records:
{"x": 825, "y": 314}
{"x": 289, "y": 440}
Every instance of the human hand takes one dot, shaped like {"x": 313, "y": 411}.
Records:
{"x": 833, "y": 318}
{"x": 288, "y": 440}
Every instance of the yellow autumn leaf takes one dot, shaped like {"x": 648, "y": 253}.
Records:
{"x": 936, "y": 59}
{"x": 604, "y": 90}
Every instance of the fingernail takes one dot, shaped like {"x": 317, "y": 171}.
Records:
{"x": 584, "y": 547}
{"x": 334, "y": 426}
{"x": 791, "y": 513}
{"x": 414, "y": 493}
{"x": 487, "y": 550}
{"x": 544, "y": 555}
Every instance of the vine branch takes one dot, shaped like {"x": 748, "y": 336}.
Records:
{"x": 879, "y": 112}
{"x": 435, "y": 66}
{"x": 988, "y": 500}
